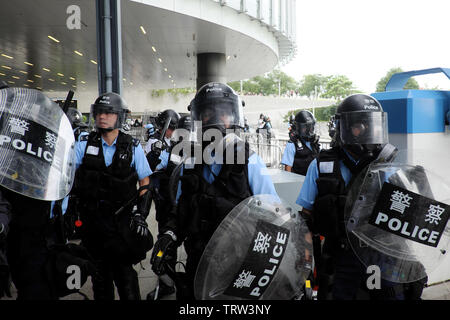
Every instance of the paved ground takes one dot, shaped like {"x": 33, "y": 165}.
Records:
{"x": 147, "y": 279}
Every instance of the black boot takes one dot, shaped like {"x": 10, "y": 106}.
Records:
{"x": 160, "y": 291}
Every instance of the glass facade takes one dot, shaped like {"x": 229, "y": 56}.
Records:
{"x": 278, "y": 15}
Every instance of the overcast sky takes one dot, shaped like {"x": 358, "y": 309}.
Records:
{"x": 363, "y": 39}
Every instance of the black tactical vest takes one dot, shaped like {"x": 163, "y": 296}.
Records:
{"x": 114, "y": 184}
{"x": 332, "y": 194}
{"x": 330, "y": 201}
{"x": 304, "y": 156}
{"x": 202, "y": 206}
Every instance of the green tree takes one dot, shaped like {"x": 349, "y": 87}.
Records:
{"x": 312, "y": 84}
{"x": 381, "y": 85}
{"x": 267, "y": 84}
{"x": 321, "y": 114}
{"x": 338, "y": 87}
{"x": 325, "y": 113}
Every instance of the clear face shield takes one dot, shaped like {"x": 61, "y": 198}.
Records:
{"x": 108, "y": 117}
{"x": 307, "y": 130}
{"x": 224, "y": 113}
{"x": 363, "y": 128}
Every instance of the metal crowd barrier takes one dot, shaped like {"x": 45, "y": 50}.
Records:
{"x": 270, "y": 150}
{"x": 137, "y": 133}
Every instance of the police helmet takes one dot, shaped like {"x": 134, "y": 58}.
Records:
{"x": 305, "y": 124}
{"x": 75, "y": 117}
{"x": 164, "y": 116}
{"x": 218, "y": 106}
{"x": 110, "y": 102}
{"x": 360, "y": 120}
{"x": 185, "y": 123}
{"x": 291, "y": 119}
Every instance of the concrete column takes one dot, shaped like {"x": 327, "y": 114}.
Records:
{"x": 210, "y": 67}
{"x": 109, "y": 46}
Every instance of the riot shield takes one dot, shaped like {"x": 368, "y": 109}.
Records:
{"x": 397, "y": 218}
{"x": 37, "y": 156}
{"x": 261, "y": 250}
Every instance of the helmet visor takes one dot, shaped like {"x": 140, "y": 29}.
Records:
{"x": 224, "y": 113}
{"x": 97, "y": 109}
{"x": 307, "y": 130}
{"x": 364, "y": 128}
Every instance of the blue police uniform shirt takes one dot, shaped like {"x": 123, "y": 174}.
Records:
{"x": 289, "y": 153}
{"x": 309, "y": 191}
{"x": 139, "y": 161}
{"x": 259, "y": 178}
{"x": 164, "y": 157}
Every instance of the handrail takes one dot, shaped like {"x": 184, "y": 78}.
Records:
{"x": 398, "y": 80}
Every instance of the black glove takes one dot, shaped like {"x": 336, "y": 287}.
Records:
{"x": 157, "y": 147}
{"x": 138, "y": 225}
{"x": 158, "y": 259}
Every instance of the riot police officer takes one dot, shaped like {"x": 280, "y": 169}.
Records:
{"x": 303, "y": 146}
{"x": 30, "y": 182}
{"x": 210, "y": 190}
{"x": 160, "y": 159}
{"x": 153, "y": 148}
{"x": 110, "y": 164}
{"x": 246, "y": 126}
{"x": 76, "y": 120}
{"x": 362, "y": 136}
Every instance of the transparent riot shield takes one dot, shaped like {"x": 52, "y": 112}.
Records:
{"x": 36, "y": 145}
{"x": 261, "y": 250}
{"x": 397, "y": 218}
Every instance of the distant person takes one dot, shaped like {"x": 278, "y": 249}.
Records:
{"x": 303, "y": 146}
{"x": 153, "y": 151}
{"x": 267, "y": 127}
{"x": 261, "y": 123}
{"x": 246, "y": 126}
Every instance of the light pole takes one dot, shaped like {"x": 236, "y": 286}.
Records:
{"x": 314, "y": 101}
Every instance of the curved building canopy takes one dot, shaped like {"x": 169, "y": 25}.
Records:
{"x": 51, "y": 45}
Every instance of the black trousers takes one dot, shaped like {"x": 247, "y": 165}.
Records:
{"x": 123, "y": 276}
{"x": 349, "y": 280}
{"x": 105, "y": 244}
{"x": 27, "y": 255}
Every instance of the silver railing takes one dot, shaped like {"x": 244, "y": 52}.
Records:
{"x": 271, "y": 150}
{"x": 138, "y": 133}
